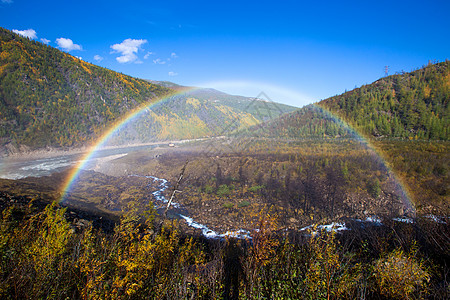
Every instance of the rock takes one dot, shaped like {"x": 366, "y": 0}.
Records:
{"x": 82, "y": 223}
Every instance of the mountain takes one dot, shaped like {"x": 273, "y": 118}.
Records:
{"x": 49, "y": 98}
{"x": 311, "y": 121}
{"x": 408, "y": 105}
{"x": 198, "y": 113}
{"x": 405, "y": 117}
{"x": 411, "y": 105}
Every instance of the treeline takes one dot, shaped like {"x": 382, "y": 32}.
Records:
{"x": 42, "y": 255}
{"x": 412, "y": 105}
{"x": 51, "y": 98}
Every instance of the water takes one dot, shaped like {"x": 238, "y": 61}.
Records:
{"x": 207, "y": 232}
{"x": 21, "y": 168}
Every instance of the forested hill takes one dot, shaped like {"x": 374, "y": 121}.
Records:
{"x": 50, "y": 98}
{"x": 198, "y": 113}
{"x": 410, "y": 105}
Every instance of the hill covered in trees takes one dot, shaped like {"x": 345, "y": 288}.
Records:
{"x": 412, "y": 105}
{"x": 310, "y": 121}
{"x": 405, "y": 117}
{"x": 49, "y": 98}
{"x": 198, "y": 113}
{"x": 409, "y": 105}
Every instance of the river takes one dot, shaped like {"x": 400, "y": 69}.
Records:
{"x": 17, "y": 168}
{"x": 207, "y": 232}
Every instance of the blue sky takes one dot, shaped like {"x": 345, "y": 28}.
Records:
{"x": 297, "y": 52}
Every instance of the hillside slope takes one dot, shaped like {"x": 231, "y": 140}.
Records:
{"x": 412, "y": 105}
{"x": 409, "y": 105}
{"x": 49, "y": 98}
{"x": 405, "y": 117}
{"x": 198, "y": 113}
{"x": 310, "y": 121}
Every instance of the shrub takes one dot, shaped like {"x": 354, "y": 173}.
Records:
{"x": 244, "y": 204}
{"x": 373, "y": 188}
{"x": 223, "y": 190}
{"x": 398, "y": 275}
{"x": 228, "y": 205}
{"x": 332, "y": 273}
{"x": 255, "y": 188}
{"x": 209, "y": 189}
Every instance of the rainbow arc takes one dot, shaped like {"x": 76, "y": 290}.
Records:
{"x": 146, "y": 107}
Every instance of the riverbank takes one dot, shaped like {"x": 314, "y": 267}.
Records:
{"x": 42, "y": 153}
{"x": 26, "y": 154}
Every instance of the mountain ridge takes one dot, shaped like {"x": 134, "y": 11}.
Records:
{"x": 411, "y": 105}
{"x": 51, "y": 99}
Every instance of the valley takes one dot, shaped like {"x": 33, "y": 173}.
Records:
{"x": 347, "y": 197}
{"x": 228, "y": 180}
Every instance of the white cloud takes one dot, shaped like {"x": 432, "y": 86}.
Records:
{"x": 172, "y": 73}
{"x": 79, "y": 57}
{"x": 98, "y": 58}
{"x": 45, "y": 41}
{"x": 158, "y": 61}
{"x": 128, "y": 48}
{"x": 29, "y": 33}
{"x": 173, "y": 55}
{"x": 148, "y": 55}
{"x": 7, "y": 1}
{"x": 67, "y": 44}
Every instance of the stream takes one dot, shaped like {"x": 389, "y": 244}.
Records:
{"x": 207, "y": 232}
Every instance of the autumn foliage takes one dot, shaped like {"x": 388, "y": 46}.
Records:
{"x": 44, "y": 256}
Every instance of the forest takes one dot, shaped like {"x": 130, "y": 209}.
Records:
{"x": 411, "y": 105}
{"x": 51, "y": 98}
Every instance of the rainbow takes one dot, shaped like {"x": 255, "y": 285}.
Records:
{"x": 401, "y": 187}
{"x": 100, "y": 143}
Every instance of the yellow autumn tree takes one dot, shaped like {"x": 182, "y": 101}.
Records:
{"x": 398, "y": 275}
